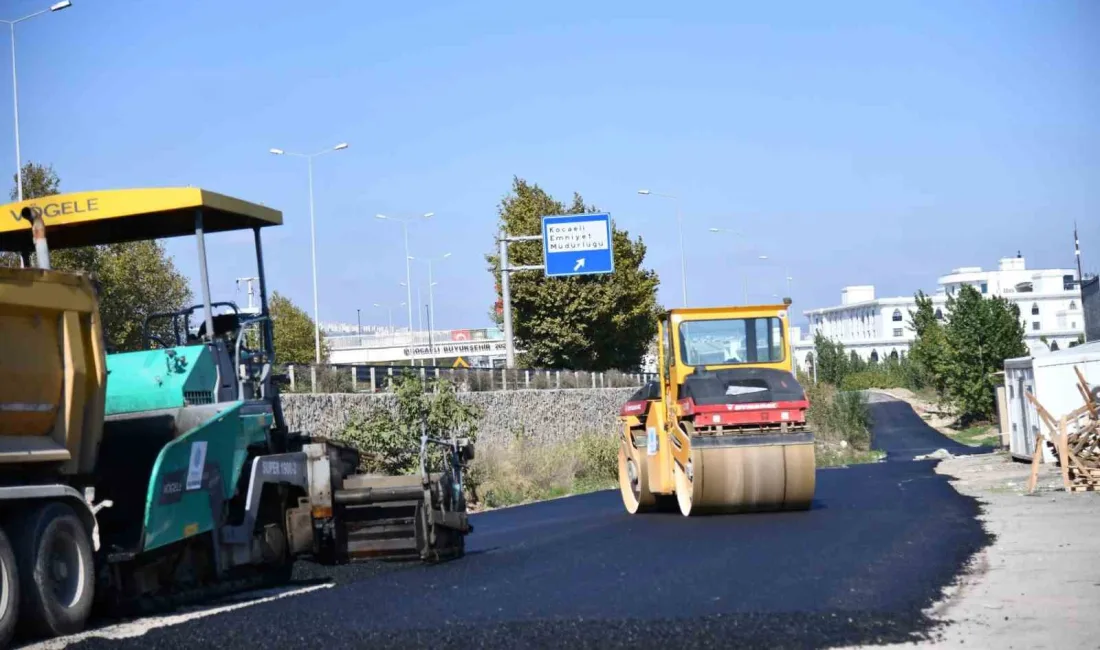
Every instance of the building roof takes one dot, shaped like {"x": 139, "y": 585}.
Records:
{"x": 1077, "y": 354}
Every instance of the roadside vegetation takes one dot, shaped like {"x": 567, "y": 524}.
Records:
{"x": 519, "y": 471}
{"x": 841, "y": 423}
{"x": 523, "y": 471}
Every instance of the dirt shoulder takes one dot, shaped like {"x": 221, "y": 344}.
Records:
{"x": 1038, "y": 584}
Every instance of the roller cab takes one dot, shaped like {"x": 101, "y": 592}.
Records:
{"x": 724, "y": 428}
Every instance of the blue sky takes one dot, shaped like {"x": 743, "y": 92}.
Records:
{"x": 850, "y": 142}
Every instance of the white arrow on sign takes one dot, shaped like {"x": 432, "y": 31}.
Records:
{"x": 579, "y": 265}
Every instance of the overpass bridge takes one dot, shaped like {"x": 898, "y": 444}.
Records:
{"x": 480, "y": 348}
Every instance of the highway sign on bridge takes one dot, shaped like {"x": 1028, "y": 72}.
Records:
{"x": 577, "y": 244}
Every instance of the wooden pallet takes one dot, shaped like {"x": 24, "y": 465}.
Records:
{"x": 1076, "y": 438}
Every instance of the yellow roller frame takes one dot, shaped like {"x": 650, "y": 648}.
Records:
{"x": 666, "y": 461}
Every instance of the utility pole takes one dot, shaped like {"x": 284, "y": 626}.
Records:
{"x": 251, "y": 291}
{"x": 359, "y": 324}
{"x": 1077, "y": 254}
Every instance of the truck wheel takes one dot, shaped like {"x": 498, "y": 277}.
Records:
{"x": 56, "y": 570}
{"x": 9, "y": 591}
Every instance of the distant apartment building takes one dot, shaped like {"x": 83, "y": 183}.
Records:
{"x": 878, "y": 328}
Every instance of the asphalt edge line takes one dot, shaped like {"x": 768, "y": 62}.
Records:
{"x": 141, "y": 626}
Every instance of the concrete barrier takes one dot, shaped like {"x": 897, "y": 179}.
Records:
{"x": 544, "y": 416}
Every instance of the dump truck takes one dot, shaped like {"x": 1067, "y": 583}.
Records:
{"x": 723, "y": 428}
{"x": 137, "y": 480}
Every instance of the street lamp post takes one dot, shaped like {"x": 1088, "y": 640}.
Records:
{"x": 745, "y": 277}
{"x": 15, "y": 87}
{"x": 680, "y": 226}
{"x": 359, "y": 325}
{"x": 313, "y": 236}
{"x": 431, "y": 298}
{"x": 759, "y": 257}
{"x": 389, "y": 309}
{"x": 786, "y": 275}
{"x": 408, "y": 269}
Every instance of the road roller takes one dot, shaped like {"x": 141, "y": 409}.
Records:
{"x": 723, "y": 428}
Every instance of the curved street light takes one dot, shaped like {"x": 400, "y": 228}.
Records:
{"x": 58, "y": 6}
{"x": 389, "y": 308}
{"x": 431, "y": 297}
{"x": 408, "y": 269}
{"x": 680, "y": 227}
{"x": 312, "y": 234}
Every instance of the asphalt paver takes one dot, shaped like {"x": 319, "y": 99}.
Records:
{"x": 861, "y": 566}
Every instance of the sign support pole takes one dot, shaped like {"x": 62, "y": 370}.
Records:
{"x": 582, "y": 246}
{"x": 506, "y": 292}
{"x": 506, "y": 302}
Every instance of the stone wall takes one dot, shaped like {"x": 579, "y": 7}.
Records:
{"x": 544, "y": 416}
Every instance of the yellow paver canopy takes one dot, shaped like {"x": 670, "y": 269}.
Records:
{"x": 116, "y": 216}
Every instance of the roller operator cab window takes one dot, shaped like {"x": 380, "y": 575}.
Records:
{"x": 731, "y": 341}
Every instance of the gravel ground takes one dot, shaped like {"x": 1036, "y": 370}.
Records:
{"x": 863, "y": 566}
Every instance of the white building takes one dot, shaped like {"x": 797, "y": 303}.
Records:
{"x": 877, "y": 328}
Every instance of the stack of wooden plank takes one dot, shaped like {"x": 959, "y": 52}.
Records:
{"x": 1075, "y": 438}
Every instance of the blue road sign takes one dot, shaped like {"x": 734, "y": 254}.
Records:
{"x": 577, "y": 244}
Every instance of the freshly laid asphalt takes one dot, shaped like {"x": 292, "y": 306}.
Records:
{"x": 903, "y": 435}
{"x": 877, "y": 547}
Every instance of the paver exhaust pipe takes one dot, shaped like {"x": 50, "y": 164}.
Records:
{"x": 38, "y": 233}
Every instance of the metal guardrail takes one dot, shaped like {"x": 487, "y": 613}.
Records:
{"x": 378, "y": 379}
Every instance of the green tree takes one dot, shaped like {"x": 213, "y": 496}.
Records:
{"x": 294, "y": 334}
{"x": 388, "y": 437}
{"x": 833, "y": 365}
{"x": 585, "y": 322}
{"x": 135, "y": 279}
{"x": 981, "y": 334}
{"x": 929, "y": 351}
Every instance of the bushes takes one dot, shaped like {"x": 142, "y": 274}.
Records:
{"x": 892, "y": 373}
{"x": 838, "y": 416}
{"x": 389, "y": 440}
{"x": 850, "y": 372}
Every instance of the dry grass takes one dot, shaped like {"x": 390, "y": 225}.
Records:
{"x": 841, "y": 423}
{"x": 523, "y": 472}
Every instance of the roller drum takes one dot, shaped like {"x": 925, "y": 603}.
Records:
{"x": 747, "y": 474}
{"x": 633, "y": 478}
